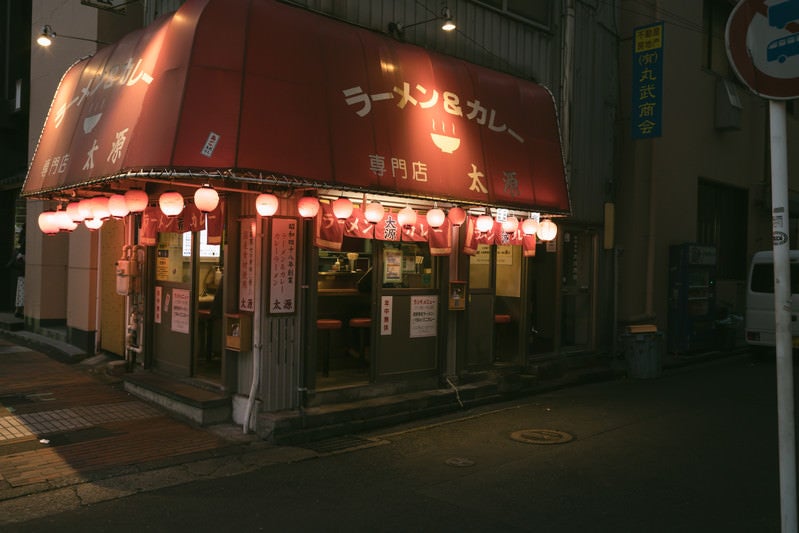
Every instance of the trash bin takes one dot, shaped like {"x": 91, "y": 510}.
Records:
{"x": 642, "y": 353}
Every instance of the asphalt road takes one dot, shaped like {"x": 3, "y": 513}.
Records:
{"x": 694, "y": 450}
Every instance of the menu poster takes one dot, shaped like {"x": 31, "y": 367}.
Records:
{"x": 181, "y": 300}
{"x": 247, "y": 266}
{"x": 392, "y": 265}
{"x": 283, "y": 266}
{"x": 424, "y": 316}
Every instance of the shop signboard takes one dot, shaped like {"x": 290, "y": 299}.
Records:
{"x": 647, "y": 78}
{"x": 283, "y": 266}
{"x": 346, "y": 106}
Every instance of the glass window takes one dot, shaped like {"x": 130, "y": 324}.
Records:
{"x": 407, "y": 266}
{"x": 721, "y": 222}
{"x": 533, "y": 10}
{"x": 480, "y": 268}
{"x": 171, "y": 264}
{"x": 715, "y": 14}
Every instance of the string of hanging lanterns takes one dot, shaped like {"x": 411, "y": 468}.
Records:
{"x": 94, "y": 211}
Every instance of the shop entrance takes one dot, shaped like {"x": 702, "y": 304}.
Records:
{"x": 495, "y": 312}
{"x": 187, "y": 322}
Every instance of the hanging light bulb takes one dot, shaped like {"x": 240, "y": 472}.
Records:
{"x": 137, "y": 200}
{"x": 510, "y": 225}
{"x": 435, "y": 217}
{"x": 374, "y": 212}
{"x": 171, "y": 203}
{"x": 93, "y": 223}
{"x": 547, "y": 230}
{"x": 485, "y": 222}
{"x": 118, "y": 206}
{"x": 206, "y": 198}
{"x": 308, "y": 206}
{"x": 266, "y": 204}
{"x": 47, "y": 223}
{"x": 406, "y": 216}
{"x": 456, "y": 216}
{"x": 342, "y": 208}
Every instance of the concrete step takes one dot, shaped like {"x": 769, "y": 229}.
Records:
{"x": 9, "y": 322}
{"x": 198, "y": 404}
{"x": 314, "y": 423}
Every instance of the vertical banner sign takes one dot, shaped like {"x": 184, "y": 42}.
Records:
{"x": 283, "y": 266}
{"x": 647, "y": 90}
{"x": 247, "y": 266}
{"x": 386, "y": 314}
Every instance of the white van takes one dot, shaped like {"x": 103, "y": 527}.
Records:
{"x": 760, "y": 323}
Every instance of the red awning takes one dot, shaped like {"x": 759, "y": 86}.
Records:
{"x": 256, "y": 87}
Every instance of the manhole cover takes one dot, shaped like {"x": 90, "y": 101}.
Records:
{"x": 459, "y": 461}
{"x": 541, "y": 436}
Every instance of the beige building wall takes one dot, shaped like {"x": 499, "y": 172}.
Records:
{"x": 657, "y": 198}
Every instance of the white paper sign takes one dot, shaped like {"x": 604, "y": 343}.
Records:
{"x": 181, "y": 304}
{"x": 424, "y": 316}
{"x": 386, "y": 314}
{"x": 247, "y": 266}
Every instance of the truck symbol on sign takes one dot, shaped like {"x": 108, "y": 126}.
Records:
{"x": 780, "y": 15}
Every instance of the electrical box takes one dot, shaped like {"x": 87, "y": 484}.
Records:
{"x": 123, "y": 269}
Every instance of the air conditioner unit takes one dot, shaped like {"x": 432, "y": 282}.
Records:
{"x": 728, "y": 106}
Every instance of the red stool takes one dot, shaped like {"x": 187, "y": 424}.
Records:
{"x": 499, "y": 320}
{"x": 328, "y": 325}
{"x": 362, "y": 325}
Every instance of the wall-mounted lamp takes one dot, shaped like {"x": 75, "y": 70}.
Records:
{"x": 397, "y": 29}
{"x": 47, "y": 36}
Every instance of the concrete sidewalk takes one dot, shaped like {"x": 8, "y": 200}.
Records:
{"x": 70, "y": 436}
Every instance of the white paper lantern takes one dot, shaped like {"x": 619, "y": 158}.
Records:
{"x": 73, "y": 211}
{"x": 342, "y": 208}
{"x": 118, "y": 206}
{"x": 530, "y": 226}
{"x": 63, "y": 221}
{"x": 406, "y": 216}
{"x": 266, "y": 204}
{"x": 547, "y": 230}
{"x": 171, "y": 203}
{"x": 206, "y": 198}
{"x": 137, "y": 200}
{"x": 510, "y": 225}
{"x": 85, "y": 208}
{"x": 484, "y": 223}
{"x": 435, "y": 217}
{"x": 99, "y": 207}
{"x": 93, "y": 223}
{"x": 308, "y": 206}
{"x": 374, "y": 212}
{"x": 48, "y": 223}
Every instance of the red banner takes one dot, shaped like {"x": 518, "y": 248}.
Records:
{"x": 329, "y": 230}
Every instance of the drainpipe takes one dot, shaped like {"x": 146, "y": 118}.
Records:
{"x": 567, "y": 67}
